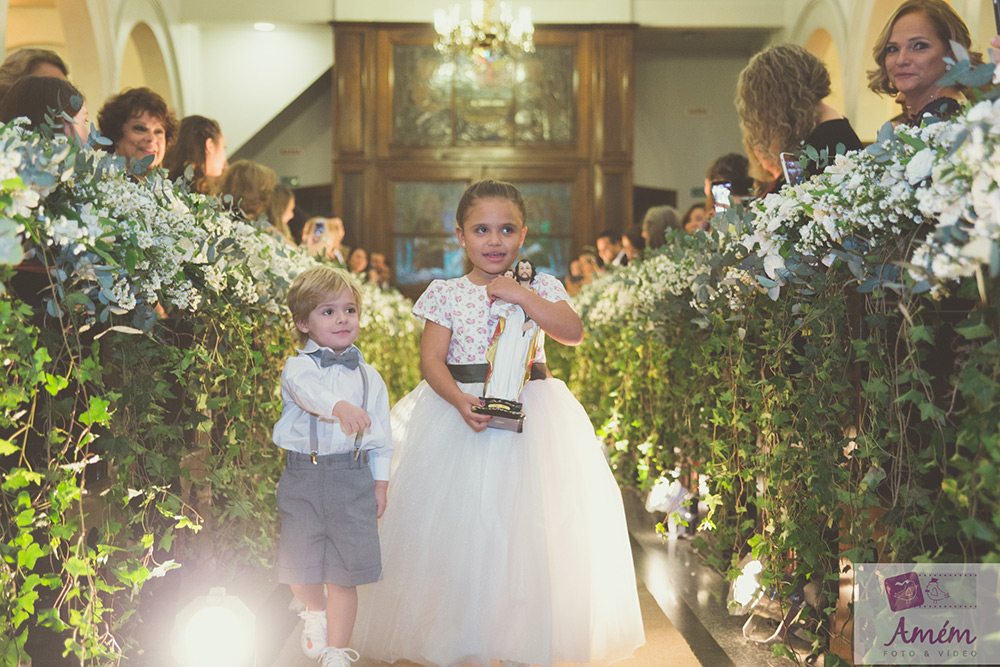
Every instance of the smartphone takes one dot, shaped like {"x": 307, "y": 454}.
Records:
{"x": 996, "y": 14}
{"x": 722, "y": 192}
{"x": 791, "y": 168}
{"x": 318, "y": 230}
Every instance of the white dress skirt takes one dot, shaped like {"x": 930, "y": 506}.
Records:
{"x": 498, "y": 545}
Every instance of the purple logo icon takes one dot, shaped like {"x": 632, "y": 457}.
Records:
{"x": 904, "y": 592}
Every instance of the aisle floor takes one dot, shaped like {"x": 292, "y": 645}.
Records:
{"x": 683, "y": 610}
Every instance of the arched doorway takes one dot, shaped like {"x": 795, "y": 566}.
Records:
{"x": 821, "y": 45}
{"x": 143, "y": 63}
{"x": 66, "y": 27}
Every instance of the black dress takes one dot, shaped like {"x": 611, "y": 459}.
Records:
{"x": 827, "y": 135}
{"x": 943, "y": 108}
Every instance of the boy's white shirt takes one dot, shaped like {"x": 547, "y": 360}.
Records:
{"x": 307, "y": 389}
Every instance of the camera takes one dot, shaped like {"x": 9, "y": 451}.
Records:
{"x": 722, "y": 195}
{"x": 791, "y": 168}
{"x": 319, "y": 230}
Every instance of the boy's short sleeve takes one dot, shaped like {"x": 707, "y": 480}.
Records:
{"x": 550, "y": 288}
{"x": 433, "y": 304}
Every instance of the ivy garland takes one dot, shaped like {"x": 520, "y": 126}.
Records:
{"x": 132, "y": 443}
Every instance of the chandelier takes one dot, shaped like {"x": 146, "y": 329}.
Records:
{"x": 484, "y": 34}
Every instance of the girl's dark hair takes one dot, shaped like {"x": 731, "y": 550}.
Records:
{"x": 189, "y": 149}
{"x": 131, "y": 103}
{"x": 36, "y": 96}
{"x": 489, "y": 189}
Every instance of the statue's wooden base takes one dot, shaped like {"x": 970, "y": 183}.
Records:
{"x": 506, "y": 415}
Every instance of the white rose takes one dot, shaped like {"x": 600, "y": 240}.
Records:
{"x": 920, "y": 166}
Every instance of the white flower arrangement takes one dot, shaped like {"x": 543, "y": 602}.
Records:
{"x": 131, "y": 244}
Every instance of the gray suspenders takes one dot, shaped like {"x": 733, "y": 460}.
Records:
{"x": 314, "y": 421}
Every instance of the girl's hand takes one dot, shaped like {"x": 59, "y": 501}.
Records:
{"x": 352, "y": 418}
{"x": 477, "y": 422}
{"x": 381, "y": 494}
{"x": 506, "y": 288}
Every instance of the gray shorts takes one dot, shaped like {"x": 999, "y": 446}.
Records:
{"x": 329, "y": 527}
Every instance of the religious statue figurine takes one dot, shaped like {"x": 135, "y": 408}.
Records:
{"x": 510, "y": 353}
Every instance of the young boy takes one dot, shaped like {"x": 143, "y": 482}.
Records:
{"x": 335, "y": 429}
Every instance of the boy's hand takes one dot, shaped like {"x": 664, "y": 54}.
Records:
{"x": 352, "y": 418}
{"x": 505, "y": 288}
{"x": 477, "y": 422}
{"x": 381, "y": 495}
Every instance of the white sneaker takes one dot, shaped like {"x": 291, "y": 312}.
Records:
{"x": 313, "y": 633}
{"x": 338, "y": 657}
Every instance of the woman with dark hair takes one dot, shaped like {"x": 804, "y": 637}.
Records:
{"x": 633, "y": 244}
{"x": 30, "y": 62}
{"x": 36, "y": 97}
{"x": 779, "y": 99}
{"x": 200, "y": 145}
{"x": 910, "y": 52}
{"x": 695, "y": 218}
{"x": 139, "y": 125}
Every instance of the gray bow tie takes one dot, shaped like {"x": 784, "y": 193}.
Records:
{"x": 328, "y": 357}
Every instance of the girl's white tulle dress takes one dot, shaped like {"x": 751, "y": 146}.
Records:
{"x": 499, "y": 545}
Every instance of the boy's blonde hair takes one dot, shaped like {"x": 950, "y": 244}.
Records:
{"x": 313, "y": 286}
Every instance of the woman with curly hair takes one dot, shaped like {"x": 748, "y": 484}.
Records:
{"x": 201, "y": 146}
{"x": 910, "y": 55}
{"x": 139, "y": 124}
{"x": 779, "y": 99}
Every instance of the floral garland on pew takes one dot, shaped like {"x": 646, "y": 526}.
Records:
{"x": 114, "y": 247}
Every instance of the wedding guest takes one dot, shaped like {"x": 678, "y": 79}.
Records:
{"x": 655, "y": 224}
{"x": 139, "y": 125}
{"x": 357, "y": 261}
{"x": 695, "y": 218}
{"x": 574, "y": 279}
{"x": 36, "y": 97}
{"x": 590, "y": 267}
{"x": 633, "y": 244}
{"x": 779, "y": 99}
{"x": 30, "y": 62}
{"x": 201, "y": 146}
{"x": 33, "y": 98}
{"x": 323, "y": 238}
{"x": 379, "y": 271}
{"x": 250, "y": 185}
{"x": 281, "y": 209}
{"x": 609, "y": 249}
{"x": 910, "y": 52}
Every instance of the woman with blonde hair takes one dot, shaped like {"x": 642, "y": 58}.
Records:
{"x": 323, "y": 238}
{"x": 250, "y": 184}
{"x": 779, "y": 99}
{"x": 30, "y": 62}
{"x": 910, "y": 52}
